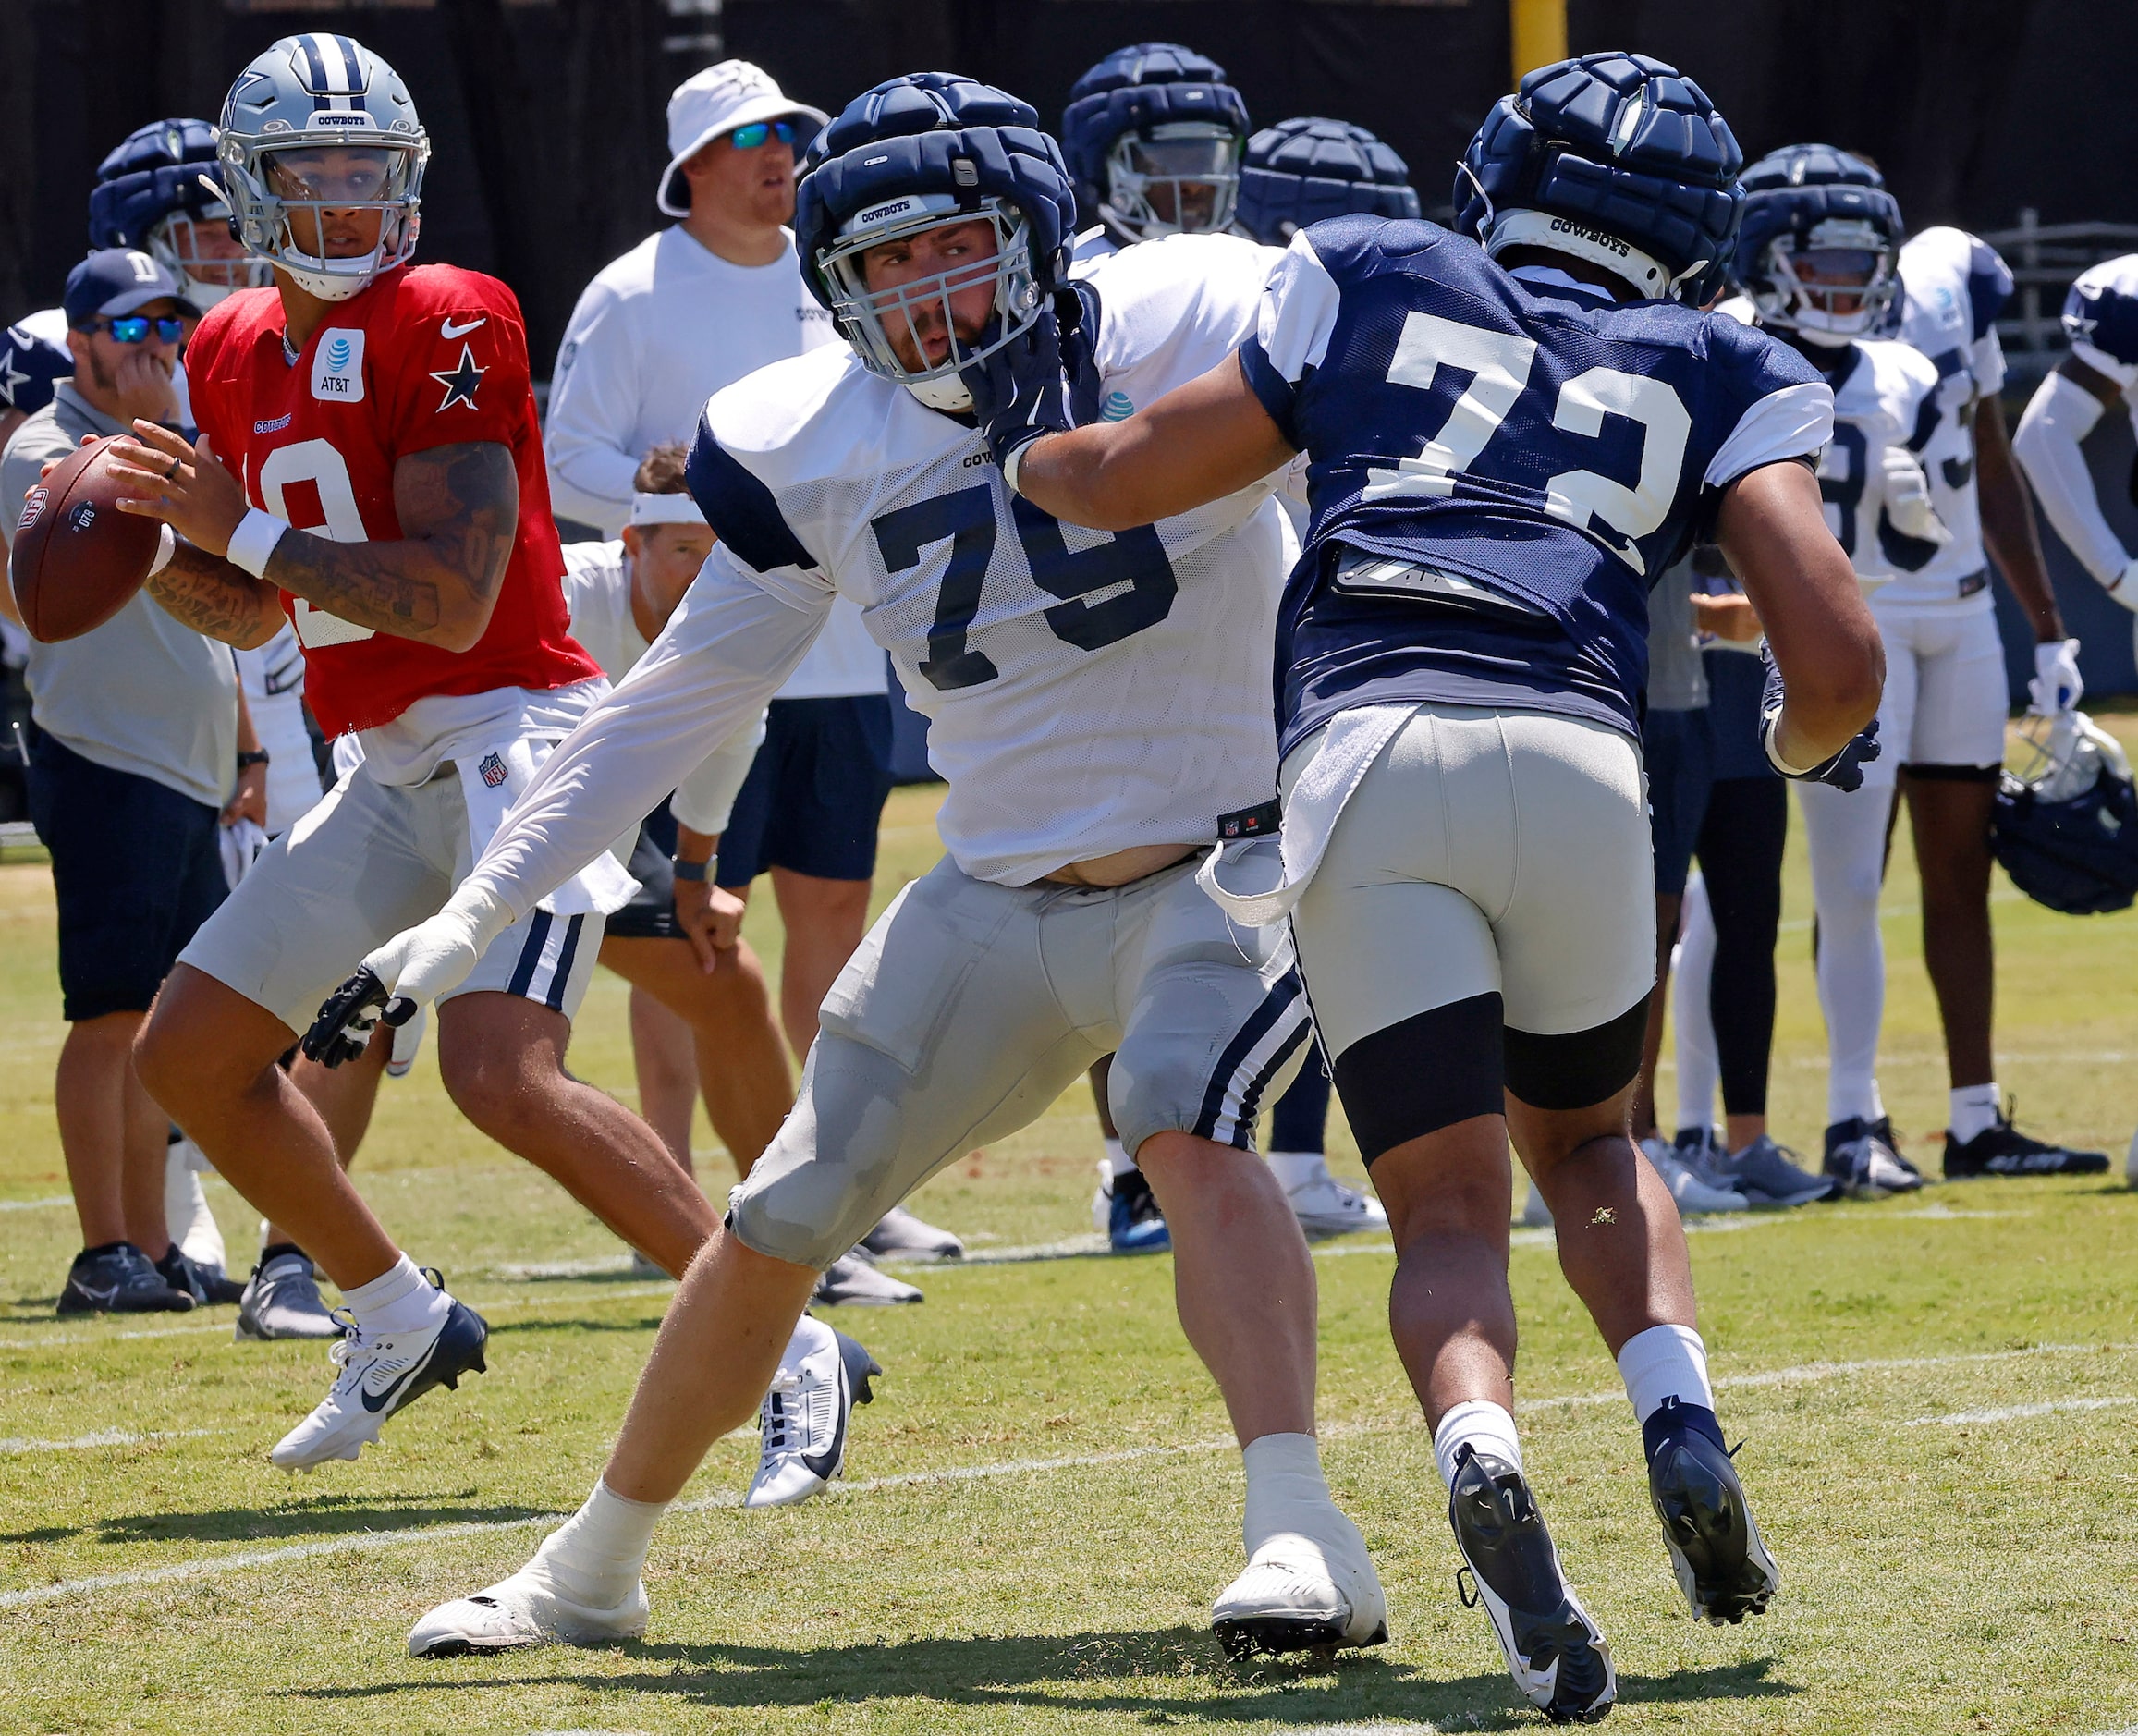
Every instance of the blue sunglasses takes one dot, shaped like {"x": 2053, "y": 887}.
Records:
{"x": 749, "y": 138}
{"x": 134, "y": 328}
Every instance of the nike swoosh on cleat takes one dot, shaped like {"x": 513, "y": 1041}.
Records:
{"x": 379, "y": 1403}
{"x": 450, "y": 331}
{"x": 825, "y": 1464}
{"x": 103, "y": 1298}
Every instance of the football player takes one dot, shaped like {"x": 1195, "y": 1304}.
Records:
{"x": 1153, "y": 135}
{"x": 159, "y": 189}
{"x": 1098, "y": 705}
{"x": 32, "y": 360}
{"x": 393, "y": 507}
{"x": 1510, "y": 430}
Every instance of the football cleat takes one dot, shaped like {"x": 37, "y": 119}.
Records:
{"x": 1134, "y": 1223}
{"x": 524, "y": 1610}
{"x": 901, "y": 1235}
{"x": 1766, "y": 1177}
{"x": 282, "y": 1300}
{"x": 1687, "y": 1188}
{"x": 1558, "y": 1657}
{"x": 853, "y": 1281}
{"x": 204, "y": 1283}
{"x": 1883, "y": 1128}
{"x": 2001, "y": 1149}
{"x": 1723, "y": 1567}
{"x": 1300, "y": 1594}
{"x": 1865, "y": 1163}
{"x": 382, "y": 1373}
{"x": 119, "y": 1279}
{"x": 1325, "y": 1206}
{"x": 802, "y": 1423}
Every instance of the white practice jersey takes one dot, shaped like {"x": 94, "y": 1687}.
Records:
{"x": 1953, "y": 287}
{"x": 2100, "y": 318}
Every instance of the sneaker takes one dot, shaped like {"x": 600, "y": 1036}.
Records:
{"x": 899, "y": 1233}
{"x": 1701, "y": 1150}
{"x": 207, "y": 1285}
{"x": 1691, "y": 1193}
{"x": 1134, "y": 1223}
{"x": 801, "y": 1425}
{"x": 2001, "y": 1149}
{"x": 1883, "y": 1128}
{"x": 1558, "y": 1655}
{"x": 118, "y": 1280}
{"x": 282, "y": 1300}
{"x": 853, "y": 1281}
{"x": 524, "y": 1610}
{"x": 1535, "y": 1214}
{"x": 1766, "y": 1177}
{"x": 1864, "y": 1165}
{"x": 1299, "y": 1594}
{"x": 1723, "y": 1567}
{"x": 1325, "y": 1206}
{"x": 382, "y": 1373}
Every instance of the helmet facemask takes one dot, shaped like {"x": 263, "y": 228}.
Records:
{"x": 1175, "y": 178}
{"x": 287, "y": 193}
{"x": 177, "y": 244}
{"x": 1832, "y": 284}
{"x": 921, "y": 306}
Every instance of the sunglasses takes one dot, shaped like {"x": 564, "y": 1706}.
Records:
{"x": 134, "y": 328}
{"x": 749, "y": 138}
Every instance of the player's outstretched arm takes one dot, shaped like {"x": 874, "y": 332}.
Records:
{"x": 2063, "y": 411}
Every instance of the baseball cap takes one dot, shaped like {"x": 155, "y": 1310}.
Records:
{"x": 706, "y": 105}
{"x": 115, "y": 281}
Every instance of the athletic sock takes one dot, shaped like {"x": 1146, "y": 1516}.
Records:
{"x": 1665, "y": 1370}
{"x": 1118, "y": 1162}
{"x": 275, "y": 1251}
{"x": 1974, "y": 1110}
{"x": 399, "y": 1300}
{"x": 596, "y": 1556}
{"x": 1286, "y": 1490}
{"x": 1480, "y": 1424}
{"x": 1296, "y": 1169}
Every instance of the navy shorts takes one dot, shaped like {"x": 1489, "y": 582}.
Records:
{"x": 650, "y": 914}
{"x": 136, "y": 868}
{"x": 1676, "y": 748}
{"x": 815, "y": 792}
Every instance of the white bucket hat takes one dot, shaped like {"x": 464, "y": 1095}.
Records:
{"x": 709, "y": 103}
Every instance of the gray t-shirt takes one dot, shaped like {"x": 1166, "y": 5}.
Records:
{"x": 142, "y": 693}
{"x": 1677, "y": 679}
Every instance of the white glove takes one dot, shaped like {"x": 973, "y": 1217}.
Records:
{"x": 397, "y": 980}
{"x": 1908, "y": 498}
{"x": 2125, "y": 587}
{"x": 2057, "y": 684}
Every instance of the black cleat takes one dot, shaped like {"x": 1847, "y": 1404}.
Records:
{"x": 1722, "y": 1564}
{"x": 207, "y": 1285}
{"x": 119, "y": 1279}
{"x": 1558, "y": 1655}
{"x": 2001, "y": 1149}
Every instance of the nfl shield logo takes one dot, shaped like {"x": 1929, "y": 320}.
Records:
{"x": 493, "y": 769}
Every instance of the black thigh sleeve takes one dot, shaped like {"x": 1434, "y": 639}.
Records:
{"x": 1429, "y": 1071}
{"x": 1579, "y": 1069}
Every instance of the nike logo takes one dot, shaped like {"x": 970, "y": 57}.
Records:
{"x": 449, "y": 331}
{"x": 826, "y": 1463}
{"x": 377, "y": 1402}
{"x": 102, "y": 1298}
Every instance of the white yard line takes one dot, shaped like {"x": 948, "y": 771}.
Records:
{"x": 2013, "y": 1412}
{"x": 103, "y": 1438}
{"x": 36, "y": 1205}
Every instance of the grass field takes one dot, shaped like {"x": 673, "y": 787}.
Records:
{"x": 1939, "y": 1398}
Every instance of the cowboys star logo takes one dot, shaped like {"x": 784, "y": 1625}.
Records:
{"x": 2082, "y": 325}
{"x": 11, "y": 377}
{"x": 460, "y": 380}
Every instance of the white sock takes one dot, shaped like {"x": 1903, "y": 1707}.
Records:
{"x": 1295, "y": 1169}
{"x": 596, "y": 1556}
{"x": 1286, "y": 1490}
{"x": 1665, "y": 1363}
{"x": 1481, "y": 1423}
{"x": 399, "y": 1300}
{"x": 1118, "y": 1161}
{"x": 1847, "y": 834}
{"x": 1974, "y": 1110}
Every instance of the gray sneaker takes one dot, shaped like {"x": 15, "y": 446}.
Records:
{"x": 1865, "y": 1166}
{"x": 1687, "y": 1187}
{"x": 1766, "y": 1177}
{"x": 282, "y": 1300}
{"x": 854, "y": 1281}
{"x": 899, "y": 1235}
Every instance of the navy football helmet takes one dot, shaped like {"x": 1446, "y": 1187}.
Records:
{"x": 30, "y": 364}
{"x": 1297, "y": 172}
{"x": 2066, "y": 828}
{"x": 1153, "y": 136}
{"x": 1818, "y": 248}
{"x": 919, "y": 154}
{"x": 1618, "y": 159}
{"x": 159, "y": 192}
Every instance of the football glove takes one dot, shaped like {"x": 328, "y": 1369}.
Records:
{"x": 1035, "y": 385}
{"x": 1908, "y": 506}
{"x": 1843, "y": 770}
{"x": 2056, "y": 685}
{"x": 409, "y": 972}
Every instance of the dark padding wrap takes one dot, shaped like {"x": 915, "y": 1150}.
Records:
{"x": 1429, "y": 1071}
{"x": 1580, "y": 1068}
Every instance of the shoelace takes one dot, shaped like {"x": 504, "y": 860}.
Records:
{"x": 773, "y": 1421}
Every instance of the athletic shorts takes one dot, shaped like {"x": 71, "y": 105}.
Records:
{"x": 815, "y": 792}
{"x": 1677, "y": 750}
{"x": 136, "y": 869}
{"x": 370, "y": 860}
{"x": 969, "y": 1007}
{"x": 1946, "y": 692}
{"x": 650, "y": 914}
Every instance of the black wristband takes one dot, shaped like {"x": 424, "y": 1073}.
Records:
{"x": 257, "y": 756}
{"x": 693, "y": 869}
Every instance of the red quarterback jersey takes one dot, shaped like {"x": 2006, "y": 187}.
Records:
{"x": 428, "y": 356}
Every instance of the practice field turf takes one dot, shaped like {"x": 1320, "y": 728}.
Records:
{"x": 1938, "y": 1398}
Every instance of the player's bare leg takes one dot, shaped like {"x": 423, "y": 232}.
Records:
{"x": 824, "y": 921}
{"x": 107, "y": 1127}
{"x": 665, "y": 1062}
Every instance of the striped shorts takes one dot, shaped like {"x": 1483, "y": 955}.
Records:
{"x": 370, "y": 860}
{"x": 969, "y": 1007}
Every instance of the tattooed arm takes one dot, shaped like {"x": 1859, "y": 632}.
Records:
{"x": 459, "y": 512}
{"x": 213, "y": 597}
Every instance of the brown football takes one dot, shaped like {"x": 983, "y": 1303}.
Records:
{"x": 78, "y": 559}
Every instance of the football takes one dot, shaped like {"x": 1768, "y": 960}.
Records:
{"x": 78, "y": 559}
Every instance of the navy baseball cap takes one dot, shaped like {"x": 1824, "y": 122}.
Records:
{"x": 115, "y": 281}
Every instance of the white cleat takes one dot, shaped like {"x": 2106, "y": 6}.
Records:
{"x": 853, "y": 1281}
{"x": 802, "y": 1422}
{"x": 898, "y": 1235}
{"x": 1691, "y": 1193}
{"x": 1325, "y": 1206}
{"x": 1300, "y": 1594}
{"x": 524, "y": 1610}
{"x": 382, "y": 1373}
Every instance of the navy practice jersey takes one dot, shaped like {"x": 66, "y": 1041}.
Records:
{"x": 1499, "y": 467}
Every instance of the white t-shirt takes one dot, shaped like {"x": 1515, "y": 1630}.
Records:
{"x": 655, "y": 334}
{"x": 273, "y": 677}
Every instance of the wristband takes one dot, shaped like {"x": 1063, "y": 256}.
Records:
{"x": 256, "y": 756}
{"x": 166, "y": 547}
{"x": 694, "y": 871}
{"x": 1013, "y": 463}
{"x": 253, "y": 541}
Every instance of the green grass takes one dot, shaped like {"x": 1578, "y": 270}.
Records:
{"x": 1937, "y": 1578}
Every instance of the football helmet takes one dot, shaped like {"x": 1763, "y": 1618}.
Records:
{"x": 2066, "y": 824}
{"x": 918, "y": 154}
{"x": 158, "y": 191}
{"x": 1818, "y": 248}
{"x": 1616, "y": 159}
{"x": 316, "y": 124}
{"x": 30, "y": 364}
{"x": 1297, "y": 172}
{"x": 1153, "y": 136}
